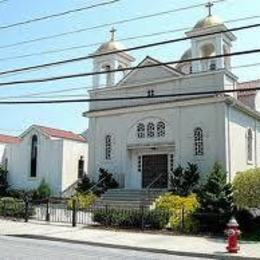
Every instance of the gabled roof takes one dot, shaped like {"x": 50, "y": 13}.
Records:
{"x": 152, "y": 60}
{"x": 8, "y": 139}
{"x": 57, "y": 133}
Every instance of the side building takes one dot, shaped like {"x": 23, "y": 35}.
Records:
{"x": 59, "y": 157}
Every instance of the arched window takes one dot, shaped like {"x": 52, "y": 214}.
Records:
{"x": 81, "y": 163}
{"x": 34, "y": 154}
{"x": 249, "y": 145}
{"x": 198, "y": 141}
{"x": 160, "y": 129}
{"x": 140, "y": 130}
{"x": 150, "y": 130}
{"x": 108, "y": 147}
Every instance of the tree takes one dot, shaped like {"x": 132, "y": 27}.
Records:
{"x": 3, "y": 182}
{"x": 215, "y": 196}
{"x": 84, "y": 184}
{"x": 106, "y": 180}
{"x": 184, "y": 181}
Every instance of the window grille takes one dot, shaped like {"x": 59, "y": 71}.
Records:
{"x": 198, "y": 142}
{"x": 150, "y": 130}
{"x": 161, "y": 129}
{"x": 108, "y": 148}
{"x": 140, "y": 130}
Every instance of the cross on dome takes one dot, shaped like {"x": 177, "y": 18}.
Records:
{"x": 113, "y": 31}
{"x": 209, "y": 5}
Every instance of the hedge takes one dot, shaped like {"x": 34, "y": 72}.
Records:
{"x": 246, "y": 188}
{"x": 132, "y": 218}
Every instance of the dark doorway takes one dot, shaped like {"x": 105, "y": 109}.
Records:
{"x": 153, "y": 166}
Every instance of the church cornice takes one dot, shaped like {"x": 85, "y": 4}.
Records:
{"x": 180, "y": 102}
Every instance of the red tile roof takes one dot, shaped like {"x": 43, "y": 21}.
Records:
{"x": 8, "y": 139}
{"x": 248, "y": 84}
{"x": 53, "y": 132}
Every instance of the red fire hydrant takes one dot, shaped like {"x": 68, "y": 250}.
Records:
{"x": 233, "y": 233}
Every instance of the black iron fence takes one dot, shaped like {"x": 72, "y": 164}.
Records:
{"x": 68, "y": 211}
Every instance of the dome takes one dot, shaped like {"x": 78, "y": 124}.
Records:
{"x": 186, "y": 55}
{"x": 111, "y": 46}
{"x": 209, "y": 21}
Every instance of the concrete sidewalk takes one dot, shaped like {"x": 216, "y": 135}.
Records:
{"x": 178, "y": 245}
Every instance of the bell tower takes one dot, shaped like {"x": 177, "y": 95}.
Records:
{"x": 211, "y": 45}
{"x": 110, "y": 62}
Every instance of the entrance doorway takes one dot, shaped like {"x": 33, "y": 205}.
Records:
{"x": 153, "y": 166}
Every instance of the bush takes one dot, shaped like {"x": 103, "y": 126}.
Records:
{"x": 108, "y": 181}
{"x": 84, "y": 184}
{"x": 85, "y": 201}
{"x": 43, "y": 191}
{"x": 183, "y": 182}
{"x": 135, "y": 218}
{"x": 181, "y": 209}
{"x": 246, "y": 188}
{"x": 3, "y": 182}
{"x": 216, "y": 201}
{"x": 10, "y": 207}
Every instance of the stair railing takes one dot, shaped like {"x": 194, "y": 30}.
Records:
{"x": 96, "y": 184}
{"x": 148, "y": 188}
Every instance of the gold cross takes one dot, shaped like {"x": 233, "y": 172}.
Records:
{"x": 209, "y": 5}
{"x": 113, "y": 31}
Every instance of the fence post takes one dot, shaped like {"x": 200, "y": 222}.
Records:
{"x": 74, "y": 213}
{"x": 106, "y": 210}
{"x": 182, "y": 219}
{"x": 142, "y": 217}
{"x": 26, "y": 216}
{"x": 47, "y": 210}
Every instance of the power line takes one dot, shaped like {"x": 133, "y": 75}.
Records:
{"x": 81, "y": 58}
{"x": 42, "y": 18}
{"x": 70, "y": 76}
{"x": 88, "y": 100}
{"x": 123, "y": 21}
{"x": 38, "y": 94}
{"x": 122, "y": 39}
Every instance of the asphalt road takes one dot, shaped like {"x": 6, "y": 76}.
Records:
{"x": 21, "y": 248}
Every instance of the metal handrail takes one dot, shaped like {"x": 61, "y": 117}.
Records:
{"x": 96, "y": 184}
{"x": 154, "y": 181}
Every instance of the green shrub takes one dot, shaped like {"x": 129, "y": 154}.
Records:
{"x": 84, "y": 201}
{"x": 246, "y": 188}
{"x": 184, "y": 182}
{"x": 134, "y": 218}
{"x": 108, "y": 181}
{"x": 216, "y": 201}
{"x": 3, "y": 182}
{"x": 84, "y": 184}
{"x": 181, "y": 210}
{"x": 42, "y": 192}
{"x": 10, "y": 207}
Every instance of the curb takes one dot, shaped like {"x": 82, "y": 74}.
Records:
{"x": 142, "y": 249}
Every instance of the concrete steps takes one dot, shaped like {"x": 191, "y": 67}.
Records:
{"x": 128, "y": 199}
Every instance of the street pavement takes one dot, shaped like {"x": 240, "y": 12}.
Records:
{"x": 192, "y": 246}
{"x": 21, "y": 248}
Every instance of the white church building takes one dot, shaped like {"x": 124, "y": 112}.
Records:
{"x": 59, "y": 157}
{"x": 140, "y": 140}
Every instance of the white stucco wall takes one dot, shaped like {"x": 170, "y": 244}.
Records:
{"x": 2, "y": 152}
{"x": 180, "y": 122}
{"x": 49, "y": 163}
{"x": 239, "y": 123}
{"x": 72, "y": 151}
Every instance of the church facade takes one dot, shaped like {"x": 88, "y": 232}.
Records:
{"x": 141, "y": 141}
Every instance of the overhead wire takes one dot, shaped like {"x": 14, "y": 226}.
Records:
{"x": 91, "y": 56}
{"x": 88, "y": 100}
{"x": 157, "y": 64}
{"x": 47, "y": 17}
{"x": 123, "y": 21}
{"x": 142, "y": 36}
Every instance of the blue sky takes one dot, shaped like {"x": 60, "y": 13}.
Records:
{"x": 14, "y": 119}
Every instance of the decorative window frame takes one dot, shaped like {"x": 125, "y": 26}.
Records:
{"x": 108, "y": 147}
{"x": 198, "y": 142}
{"x": 249, "y": 154}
